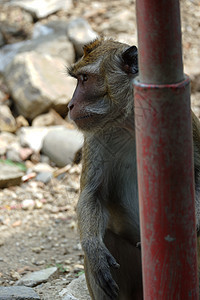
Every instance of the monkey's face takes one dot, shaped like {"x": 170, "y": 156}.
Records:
{"x": 104, "y": 84}
{"x": 89, "y": 104}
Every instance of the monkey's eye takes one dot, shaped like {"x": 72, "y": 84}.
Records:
{"x": 84, "y": 77}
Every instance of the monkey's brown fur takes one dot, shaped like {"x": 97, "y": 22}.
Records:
{"x": 108, "y": 212}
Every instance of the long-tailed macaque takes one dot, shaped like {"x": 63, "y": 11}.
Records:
{"x": 108, "y": 212}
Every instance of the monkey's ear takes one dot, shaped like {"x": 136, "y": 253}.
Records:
{"x": 130, "y": 60}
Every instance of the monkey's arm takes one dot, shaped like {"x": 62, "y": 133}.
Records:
{"x": 92, "y": 222}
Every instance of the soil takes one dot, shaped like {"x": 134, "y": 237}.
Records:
{"x": 45, "y": 233}
{"x": 40, "y": 233}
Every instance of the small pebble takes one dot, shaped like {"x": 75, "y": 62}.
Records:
{"x": 28, "y": 204}
{"x": 36, "y": 249}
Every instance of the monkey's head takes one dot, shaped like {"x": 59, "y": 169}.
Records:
{"x": 104, "y": 92}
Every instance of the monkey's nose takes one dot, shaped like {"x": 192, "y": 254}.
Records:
{"x": 70, "y": 106}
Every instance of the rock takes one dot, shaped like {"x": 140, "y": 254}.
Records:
{"x": 1, "y": 242}
{"x": 32, "y": 137}
{"x": 195, "y": 83}
{"x": 38, "y": 263}
{"x": 76, "y": 290}
{"x": 6, "y": 139}
{"x": 69, "y": 297}
{"x": 39, "y": 205}
{"x": 36, "y": 249}
{"x": 48, "y": 119}
{"x": 55, "y": 44}
{"x": 127, "y": 39}
{"x": 28, "y": 204}
{"x": 61, "y": 146}
{"x": 192, "y": 69}
{"x": 13, "y": 155}
{"x": 41, "y": 30}
{"x": 14, "y": 274}
{"x": 9, "y": 175}
{"x": 3, "y": 148}
{"x": 36, "y": 83}
{"x": 43, "y": 120}
{"x": 25, "y": 153}
{"x": 44, "y": 159}
{"x": 80, "y": 33}
{"x": 57, "y": 27}
{"x": 7, "y": 121}
{"x": 121, "y": 21}
{"x": 42, "y": 167}
{"x": 44, "y": 177}
{"x": 72, "y": 186}
{"x": 37, "y": 277}
{"x": 13, "y": 152}
{"x": 3, "y": 96}
{"x": 45, "y": 8}
{"x": 16, "y": 23}
{"x": 2, "y": 41}
{"x": 7, "y": 53}
{"x": 18, "y": 293}
{"x": 195, "y": 101}
{"x": 21, "y": 122}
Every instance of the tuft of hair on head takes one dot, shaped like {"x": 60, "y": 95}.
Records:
{"x": 92, "y": 46}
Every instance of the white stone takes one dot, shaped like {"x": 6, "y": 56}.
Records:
{"x": 7, "y": 121}
{"x": 55, "y": 44}
{"x": 80, "y": 33}
{"x": 18, "y": 292}
{"x": 61, "y": 146}
{"x": 35, "y": 278}
{"x": 28, "y": 204}
{"x": 76, "y": 289}
{"x": 32, "y": 137}
{"x": 37, "y": 83}
{"x": 41, "y": 30}
{"x": 9, "y": 175}
{"x": 44, "y": 7}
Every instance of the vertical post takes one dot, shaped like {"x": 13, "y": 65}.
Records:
{"x": 164, "y": 156}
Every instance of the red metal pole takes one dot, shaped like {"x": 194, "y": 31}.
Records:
{"x": 164, "y": 155}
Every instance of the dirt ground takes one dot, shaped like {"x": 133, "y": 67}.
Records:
{"x": 45, "y": 233}
{"x": 39, "y": 234}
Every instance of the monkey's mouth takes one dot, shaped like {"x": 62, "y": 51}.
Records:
{"x": 84, "y": 117}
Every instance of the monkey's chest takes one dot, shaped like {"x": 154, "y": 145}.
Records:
{"x": 124, "y": 220}
{"x": 122, "y": 202}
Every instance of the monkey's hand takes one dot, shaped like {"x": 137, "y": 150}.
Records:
{"x": 100, "y": 260}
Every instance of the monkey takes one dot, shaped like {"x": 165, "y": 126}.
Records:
{"x": 108, "y": 209}
{"x": 196, "y": 155}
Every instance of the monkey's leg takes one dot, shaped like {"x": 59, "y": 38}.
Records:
{"x": 129, "y": 276}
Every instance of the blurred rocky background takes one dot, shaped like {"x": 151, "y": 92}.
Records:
{"x": 40, "y": 150}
